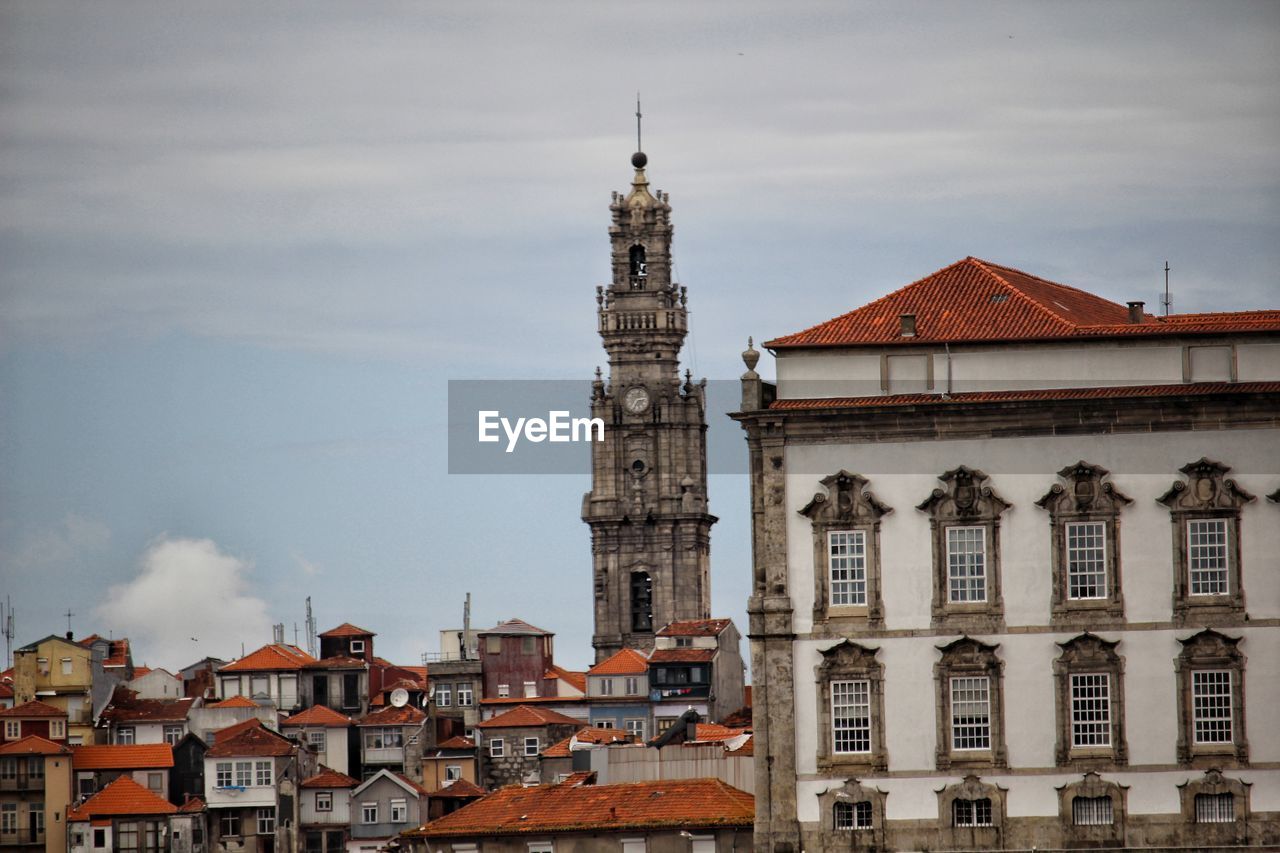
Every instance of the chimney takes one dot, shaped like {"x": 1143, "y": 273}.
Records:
{"x": 908, "y": 322}
{"x": 70, "y": 635}
{"x": 1135, "y": 312}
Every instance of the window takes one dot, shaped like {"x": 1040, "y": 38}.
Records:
{"x": 223, "y": 769}
{"x": 1209, "y": 364}
{"x": 1210, "y": 676}
{"x": 172, "y": 734}
{"x": 531, "y": 746}
{"x": 852, "y": 815}
{"x": 464, "y": 695}
{"x": 964, "y": 518}
{"x": 504, "y": 691}
{"x": 452, "y": 772}
{"x": 530, "y": 689}
{"x": 662, "y": 724}
{"x": 244, "y": 774}
{"x": 1215, "y": 808}
{"x": 357, "y": 647}
{"x": 1086, "y": 560}
{"x": 324, "y": 801}
{"x": 12, "y": 729}
{"x": 42, "y": 665}
{"x": 1091, "y": 811}
{"x": 969, "y": 679}
{"x": 635, "y": 728}
{"x": 541, "y": 847}
{"x": 57, "y": 729}
{"x": 155, "y": 782}
{"x": 368, "y": 812}
{"x": 230, "y": 824}
{"x": 1206, "y": 512}
{"x": 124, "y": 735}
{"x": 444, "y": 695}
{"x": 604, "y": 724}
{"x": 684, "y": 642}
{"x": 399, "y": 811}
{"x": 497, "y": 747}
{"x": 66, "y": 666}
{"x": 127, "y": 837}
{"x": 606, "y": 686}
{"x": 641, "y": 602}
{"x": 266, "y": 821}
{"x": 850, "y": 686}
{"x": 262, "y": 774}
{"x": 259, "y": 687}
{"x": 632, "y": 684}
{"x": 528, "y": 645}
{"x": 1090, "y": 702}
{"x": 1090, "y": 710}
{"x": 8, "y": 768}
{"x": 35, "y": 768}
{"x": 319, "y": 740}
{"x": 384, "y": 738}
{"x": 971, "y": 812}
{"x": 99, "y": 838}
{"x": 493, "y": 645}
{"x": 1215, "y": 798}
{"x": 8, "y": 818}
{"x": 845, "y": 520}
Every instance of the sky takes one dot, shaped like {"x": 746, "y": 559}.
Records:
{"x": 245, "y": 247}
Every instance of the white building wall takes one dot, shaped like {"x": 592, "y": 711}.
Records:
{"x": 341, "y": 814}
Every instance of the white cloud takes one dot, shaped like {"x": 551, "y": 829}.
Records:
{"x": 307, "y": 567}
{"x": 188, "y": 600}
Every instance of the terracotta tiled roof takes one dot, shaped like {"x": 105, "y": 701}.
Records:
{"x": 122, "y": 756}
{"x": 117, "y": 650}
{"x": 318, "y": 715}
{"x": 412, "y": 784}
{"x": 624, "y": 662}
{"x": 329, "y": 778}
{"x": 346, "y": 629}
{"x": 34, "y": 708}
{"x": 739, "y": 719}
{"x": 419, "y": 672}
{"x": 393, "y": 716}
{"x": 33, "y": 745}
{"x": 457, "y": 742}
{"x": 1109, "y": 392}
{"x": 459, "y": 789}
{"x": 576, "y": 680}
{"x": 192, "y": 805}
{"x": 122, "y": 796}
{"x": 975, "y": 300}
{"x": 336, "y": 662}
{"x": 681, "y": 655}
{"x": 6, "y": 690}
{"x": 139, "y": 671}
{"x": 714, "y": 733}
{"x": 236, "y": 728}
{"x": 513, "y": 627}
{"x": 269, "y": 658}
{"x": 250, "y": 740}
{"x": 587, "y": 734}
{"x": 525, "y": 716}
{"x": 747, "y": 747}
{"x": 683, "y": 803}
{"x": 695, "y": 628}
{"x": 149, "y": 710}
{"x": 234, "y": 702}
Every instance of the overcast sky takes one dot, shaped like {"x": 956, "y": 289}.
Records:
{"x": 244, "y": 246}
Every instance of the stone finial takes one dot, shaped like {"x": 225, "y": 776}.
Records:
{"x": 750, "y": 356}
{"x": 600, "y": 295}
{"x": 597, "y": 386}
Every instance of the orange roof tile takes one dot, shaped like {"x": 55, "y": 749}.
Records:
{"x": 525, "y": 716}
{"x": 515, "y": 810}
{"x": 412, "y": 784}
{"x": 192, "y": 804}
{"x": 714, "y": 733}
{"x": 122, "y": 796}
{"x": 318, "y": 715}
{"x": 346, "y": 629}
{"x": 250, "y": 740}
{"x": 457, "y": 742}
{"x": 139, "y": 671}
{"x": 236, "y": 728}
{"x": 235, "y": 702}
{"x": 271, "y": 657}
{"x": 974, "y": 300}
{"x": 576, "y": 680}
{"x": 149, "y": 710}
{"x": 336, "y": 662}
{"x": 682, "y": 655}
{"x": 117, "y": 650}
{"x": 695, "y": 628}
{"x": 34, "y": 708}
{"x": 393, "y": 716}
{"x": 329, "y": 778}
{"x": 460, "y": 789}
{"x": 587, "y": 734}
{"x": 748, "y": 747}
{"x": 624, "y": 662}
{"x": 33, "y": 745}
{"x": 6, "y": 690}
{"x": 1108, "y": 392}
{"x": 121, "y": 756}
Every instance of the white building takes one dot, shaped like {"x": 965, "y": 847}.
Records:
{"x": 1016, "y": 572}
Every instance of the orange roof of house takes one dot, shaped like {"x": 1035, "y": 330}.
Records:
{"x": 346, "y": 629}
{"x": 148, "y": 710}
{"x": 33, "y": 745}
{"x": 576, "y": 680}
{"x": 250, "y": 740}
{"x": 406, "y": 715}
{"x": 1108, "y": 392}
{"x": 515, "y": 810}
{"x": 117, "y": 650}
{"x": 714, "y": 733}
{"x": 139, "y": 671}
{"x": 34, "y": 708}
{"x": 459, "y": 789}
{"x": 121, "y": 756}
{"x": 457, "y": 742}
{"x": 974, "y": 300}
{"x": 234, "y": 702}
{"x": 685, "y": 655}
{"x": 525, "y": 716}
{"x": 236, "y": 728}
{"x": 122, "y": 796}
{"x": 6, "y": 690}
{"x": 695, "y": 628}
{"x": 271, "y": 657}
{"x": 318, "y": 715}
{"x": 336, "y": 662}
{"x": 624, "y": 662}
{"x": 587, "y": 734}
{"x": 329, "y": 778}
{"x": 191, "y": 804}
{"x": 747, "y": 747}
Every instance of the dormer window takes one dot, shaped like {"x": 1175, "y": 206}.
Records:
{"x": 357, "y": 647}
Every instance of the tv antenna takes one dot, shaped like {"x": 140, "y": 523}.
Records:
{"x": 6, "y": 617}
{"x": 1165, "y": 300}
{"x": 639, "y": 147}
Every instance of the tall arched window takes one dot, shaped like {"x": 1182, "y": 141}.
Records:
{"x": 641, "y": 602}
{"x": 638, "y": 267}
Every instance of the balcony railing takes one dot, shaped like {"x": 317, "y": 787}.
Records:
{"x": 22, "y": 782}
{"x": 680, "y": 691}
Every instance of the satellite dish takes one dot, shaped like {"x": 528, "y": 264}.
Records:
{"x": 399, "y": 697}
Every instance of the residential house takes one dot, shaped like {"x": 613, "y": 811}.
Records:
{"x": 1014, "y": 572}
{"x": 452, "y": 759}
{"x": 34, "y": 718}
{"x": 35, "y": 793}
{"x": 186, "y": 779}
{"x": 115, "y": 655}
{"x": 562, "y": 759}
{"x": 515, "y": 658}
{"x": 268, "y": 675}
{"x": 155, "y": 684}
{"x": 696, "y": 665}
{"x": 690, "y": 749}
{"x": 132, "y": 719}
{"x": 251, "y": 788}
{"x": 383, "y": 806}
{"x": 326, "y": 811}
{"x": 67, "y": 675}
{"x": 199, "y": 680}
{"x": 618, "y": 691}
{"x": 189, "y": 827}
{"x": 330, "y": 735}
{"x": 340, "y": 683}
{"x": 453, "y": 796}
{"x": 124, "y": 816}
{"x": 697, "y": 815}
{"x": 510, "y": 744}
{"x": 96, "y": 766}
{"x": 209, "y": 719}
{"x": 392, "y": 738}
{"x": 456, "y": 685}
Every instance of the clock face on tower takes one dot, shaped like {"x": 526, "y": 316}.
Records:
{"x": 636, "y": 400}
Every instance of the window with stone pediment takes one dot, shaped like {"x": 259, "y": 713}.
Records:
{"x": 1089, "y": 699}
{"x": 845, "y": 519}
{"x": 850, "y": 684}
{"x": 1211, "y": 723}
{"x": 1205, "y": 511}
{"x": 971, "y": 814}
{"x": 1218, "y": 807}
{"x": 853, "y": 807}
{"x": 1093, "y": 811}
{"x": 964, "y": 518}
{"x": 969, "y": 679}
{"x": 1084, "y": 522}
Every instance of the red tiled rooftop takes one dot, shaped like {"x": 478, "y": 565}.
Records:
{"x": 576, "y": 680}
{"x": 149, "y": 710}
{"x": 393, "y": 716}
{"x": 587, "y": 734}
{"x": 682, "y": 655}
{"x": 117, "y": 650}
{"x": 457, "y": 742}
{"x": 459, "y": 789}
{"x": 271, "y": 657}
{"x": 249, "y": 739}
{"x": 714, "y": 733}
{"x": 624, "y": 662}
{"x": 336, "y": 662}
{"x": 527, "y": 715}
{"x": 346, "y": 629}
{"x": 33, "y": 745}
{"x": 330, "y": 778}
{"x": 514, "y": 627}
{"x": 34, "y": 708}
{"x": 974, "y": 300}
{"x": 191, "y": 805}
{"x": 695, "y": 628}
{"x": 121, "y": 756}
{"x": 234, "y": 702}
{"x": 122, "y": 796}
{"x": 318, "y": 715}
{"x": 515, "y": 810}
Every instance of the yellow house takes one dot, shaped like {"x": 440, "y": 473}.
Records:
{"x": 35, "y": 793}
{"x": 62, "y": 673}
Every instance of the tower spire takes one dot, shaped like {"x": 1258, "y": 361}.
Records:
{"x": 639, "y": 147}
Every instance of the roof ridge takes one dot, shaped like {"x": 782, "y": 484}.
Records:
{"x": 1035, "y": 303}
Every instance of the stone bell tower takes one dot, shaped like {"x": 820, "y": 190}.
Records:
{"x": 647, "y": 508}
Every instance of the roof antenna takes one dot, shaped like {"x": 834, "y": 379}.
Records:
{"x": 1165, "y": 300}
{"x": 639, "y": 147}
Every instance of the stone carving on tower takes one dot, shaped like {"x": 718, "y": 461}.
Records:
{"x": 647, "y": 508}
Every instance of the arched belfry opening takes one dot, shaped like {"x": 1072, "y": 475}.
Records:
{"x": 639, "y": 270}
{"x": 641, "y": 601}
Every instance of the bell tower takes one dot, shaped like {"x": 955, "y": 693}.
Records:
{"x": 647, "y": 508}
